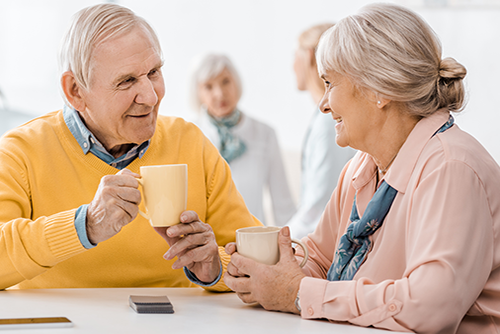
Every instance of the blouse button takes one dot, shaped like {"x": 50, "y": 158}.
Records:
{"x": 310, "y": 311}
{"x": 392, "y": 307}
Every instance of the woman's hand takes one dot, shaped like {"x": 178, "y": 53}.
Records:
{"x": 274, "y": 287}
{"x": 194, "y": 244}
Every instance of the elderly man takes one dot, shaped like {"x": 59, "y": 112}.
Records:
{"x": 68, "y": 206}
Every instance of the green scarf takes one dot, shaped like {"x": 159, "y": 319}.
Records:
{"x": 231, "y": 146}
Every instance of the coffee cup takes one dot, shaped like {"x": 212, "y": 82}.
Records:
{"x": 260, "y": 243}
{"x": 164, "y": 188}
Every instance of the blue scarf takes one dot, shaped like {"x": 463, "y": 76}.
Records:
{"x": 355, "y": 244}
{"x": 231, "y": 146}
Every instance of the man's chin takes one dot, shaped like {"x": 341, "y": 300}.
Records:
{"x": 142, "y": 135}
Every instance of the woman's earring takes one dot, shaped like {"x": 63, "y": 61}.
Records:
{"x": 378, "y": 102}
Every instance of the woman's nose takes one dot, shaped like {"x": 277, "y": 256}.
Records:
{"x": 218, "y": 91}
{"x": 323, "y": 105}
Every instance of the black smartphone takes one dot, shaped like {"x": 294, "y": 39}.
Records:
{"x": 151, "y": 304}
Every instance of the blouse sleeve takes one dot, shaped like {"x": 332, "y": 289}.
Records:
{"x": 449, "y": 254}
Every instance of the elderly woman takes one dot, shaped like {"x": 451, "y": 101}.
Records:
{"x": 249, "y": 146}
{"x": 410, "y": 238}
{"x": 322, "y": 159}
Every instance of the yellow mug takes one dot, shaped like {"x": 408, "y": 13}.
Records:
{"x": 165, "y": 190}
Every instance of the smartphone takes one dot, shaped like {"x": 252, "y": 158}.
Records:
{"x": 16, "y": 323}
{"x": 151, "y": 304}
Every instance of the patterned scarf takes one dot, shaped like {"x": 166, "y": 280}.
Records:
{"x": 355, "y": 244}
{"x": 231, "y": 146}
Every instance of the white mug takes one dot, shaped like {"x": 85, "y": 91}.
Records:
{"x": 165, "y": 193}
{"x": 260, "y": 243}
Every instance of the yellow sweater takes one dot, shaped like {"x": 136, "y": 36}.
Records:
{"x": 45, "y": 177}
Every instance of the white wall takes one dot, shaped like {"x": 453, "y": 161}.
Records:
{"x": 259, "y": 35}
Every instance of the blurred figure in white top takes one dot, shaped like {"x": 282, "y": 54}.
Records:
{"x": 322, "y": 158}
{"x": 249, "y": 146}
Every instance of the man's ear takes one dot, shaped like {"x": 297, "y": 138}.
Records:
{"x": 72, "y": 91}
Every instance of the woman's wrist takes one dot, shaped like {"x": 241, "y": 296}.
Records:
{"x": 297, "y": 302}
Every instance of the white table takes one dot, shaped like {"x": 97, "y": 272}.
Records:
{"x": 196, "y": 311}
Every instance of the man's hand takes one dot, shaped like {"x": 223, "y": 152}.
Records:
{"x": 193, "y": 242}
{"x": 274, "y": 287}
{"x": 115, "y": 204}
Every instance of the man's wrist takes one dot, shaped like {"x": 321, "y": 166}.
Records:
{"x": 81, "y": 226}
{"x": 192, "y": 277}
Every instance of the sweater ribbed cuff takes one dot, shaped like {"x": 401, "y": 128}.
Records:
{"x": 61, "y": 235}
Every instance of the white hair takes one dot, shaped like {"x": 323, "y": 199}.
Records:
{"x": 393, "y": 52}
{"x": 206, "y": 67}
{"x": 91, "y": 26}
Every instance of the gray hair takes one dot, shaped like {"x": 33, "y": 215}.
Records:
{"x": 91, "y": 26}
{"x": 393, "y": 52}
{"x": 206, "y": 67}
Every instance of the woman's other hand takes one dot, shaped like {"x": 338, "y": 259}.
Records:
{"x": 274, "y": 287}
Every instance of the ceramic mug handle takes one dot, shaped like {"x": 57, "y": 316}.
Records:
{"x": 304, "y": 248}
{"x": 140, "y": 212}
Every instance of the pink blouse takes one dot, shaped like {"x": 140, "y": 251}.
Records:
{"x": 434, "y": 263}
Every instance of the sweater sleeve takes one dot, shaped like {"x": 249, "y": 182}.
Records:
{"x": 226, "y": 210}
{"x": 445, "y": 216}
{"x": 29, "y": 247}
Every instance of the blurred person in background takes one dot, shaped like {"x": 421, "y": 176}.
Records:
{"x": 249, "y": 146}
{"x": 322, "y": 159}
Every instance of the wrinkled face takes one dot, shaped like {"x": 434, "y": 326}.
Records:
{"x": 350, "y": 108}
{"x": 125, "y": 90}
{"x": 300, "y": 68}
{"x": 219, "y": 94}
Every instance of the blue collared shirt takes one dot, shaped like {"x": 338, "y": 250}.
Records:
{"x": 89, "y": 143}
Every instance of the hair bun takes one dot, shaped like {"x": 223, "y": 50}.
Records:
{"x": 451, "y": 69}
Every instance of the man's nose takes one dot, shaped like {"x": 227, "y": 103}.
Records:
{"x": 146, "y": 94}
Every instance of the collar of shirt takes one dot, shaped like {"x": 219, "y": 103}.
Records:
{"x": 398, "y": 176}
{"x": 400, "y": 172}
{"x": 89, "y": 143}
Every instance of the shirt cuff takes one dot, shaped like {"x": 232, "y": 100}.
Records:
{"x": 192, "y": 277}
{"x": 81, "y": 226}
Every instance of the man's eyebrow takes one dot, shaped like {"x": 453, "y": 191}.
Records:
{"x": 130, "y": 75}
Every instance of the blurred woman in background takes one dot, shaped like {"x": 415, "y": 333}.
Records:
{"x": 249, "y": 146}
{"x": 322, "y": 159}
